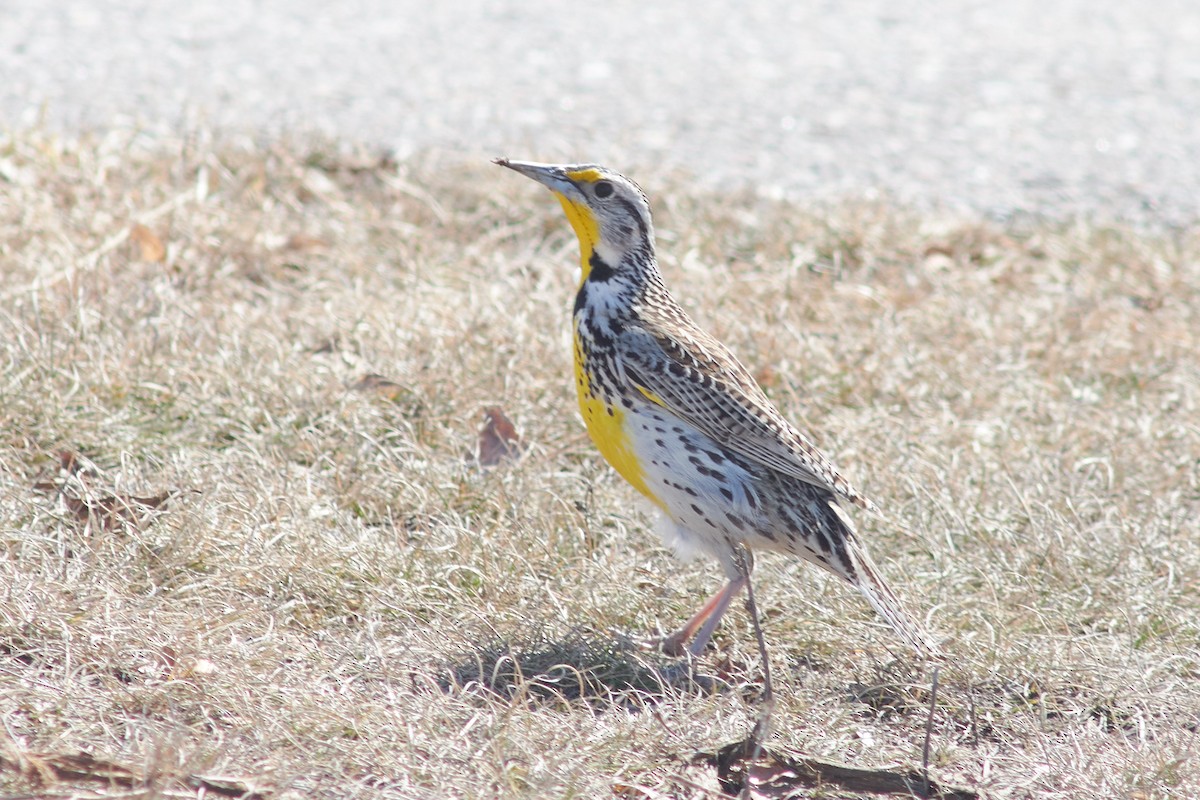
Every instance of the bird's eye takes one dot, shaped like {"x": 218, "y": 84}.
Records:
{"x": 603, "y": 189}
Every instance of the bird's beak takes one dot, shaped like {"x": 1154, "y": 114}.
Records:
{"x": 551, "y": 176}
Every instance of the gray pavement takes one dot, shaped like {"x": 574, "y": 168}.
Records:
{"x": 1045, "y": 107}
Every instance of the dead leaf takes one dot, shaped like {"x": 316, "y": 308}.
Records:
{"x": 302, "y": 241}
{"x": 379, "y": 385}
{"x": 227, "y": 786}
{"x": 72, "y": 462}
{"x": 151, "y": 247}
{"x": 773, "y": 775}
{"x": 115, "y": 511}
{"x": 46, "y": 769}
{"x": 498, "y": 439}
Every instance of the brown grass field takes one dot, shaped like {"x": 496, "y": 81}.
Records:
{"x": 230, "y": 566}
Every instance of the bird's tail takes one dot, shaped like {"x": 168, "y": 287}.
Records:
{"x": 868, "y": 580}
{"x": 884, "y": 600}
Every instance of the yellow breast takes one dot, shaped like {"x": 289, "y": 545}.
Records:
{"x": 606, "y": 424}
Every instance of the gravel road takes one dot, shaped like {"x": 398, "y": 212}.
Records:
{"x": 1051, "y": 108}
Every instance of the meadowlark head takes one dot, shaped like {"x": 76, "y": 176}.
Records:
{"x": 609, "y": 212}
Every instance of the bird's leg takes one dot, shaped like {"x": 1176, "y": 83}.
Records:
{"x": 762, "y": 728}
{"x": 725, "y": 596}
{"x": 705, "y": 620}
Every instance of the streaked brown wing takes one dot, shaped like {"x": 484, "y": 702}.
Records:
{"x": 695, "y": 377}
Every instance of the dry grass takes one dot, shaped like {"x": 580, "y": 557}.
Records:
{"x": 337, "y": 603}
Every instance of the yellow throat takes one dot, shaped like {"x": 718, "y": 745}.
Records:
{"x": 582, "y": 220}
{"x": 605, "y": 423}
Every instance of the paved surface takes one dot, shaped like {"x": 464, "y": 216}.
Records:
{"x": 1050, "y": 107}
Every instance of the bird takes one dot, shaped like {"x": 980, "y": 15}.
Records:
{"x": 686, "y": 424}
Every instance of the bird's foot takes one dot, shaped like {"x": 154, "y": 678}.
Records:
{"x": 675, "y": 645}
{"x": 683, "y": 675}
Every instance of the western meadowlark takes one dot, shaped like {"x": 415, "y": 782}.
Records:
{"x": 682, "y": 420}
